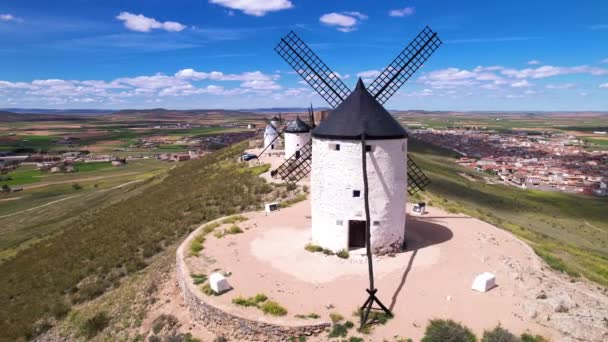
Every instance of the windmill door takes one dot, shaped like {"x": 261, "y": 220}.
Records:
{"x": 356, "y": 234}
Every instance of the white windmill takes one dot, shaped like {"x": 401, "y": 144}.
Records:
{"x": 358, "y": 156}
{"x": 297, "y": 135}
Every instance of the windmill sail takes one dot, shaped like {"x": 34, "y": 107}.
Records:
{"x": 312, "y": 69}
{"x": 297, "y": 166}
{"x": 416, "y": 179}
{"x": 404, "y": 65}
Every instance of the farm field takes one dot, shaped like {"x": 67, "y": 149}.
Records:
{"x": 569, "y": 231}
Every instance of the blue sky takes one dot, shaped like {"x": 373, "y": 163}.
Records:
{"x": 497, "y": 55}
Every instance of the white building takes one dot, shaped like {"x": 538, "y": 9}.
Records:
{"x": 297, "y": 134}
{"x": 271, "y": 137}
{"x": 338, "y": 213}
{"x": 275, "y": 122}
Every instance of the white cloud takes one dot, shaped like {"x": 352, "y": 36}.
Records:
{"x": 549, "y": 71}
{"x": 561, "y": 86}
{"x": 344, "y": 22}
{"x": 369, "y": 74}
{"x": 256, "y": 8}
{"x": 403, "y": 12}
{"x": 141, "y": 23}
{"x": 521, "y": 84}
{"x": 604, "y": 85}
{"x": 9, "y": 17}
{"x": 534, "y": 62}
{"x": 599, "y": 27}
{"x": 604, "y": 61}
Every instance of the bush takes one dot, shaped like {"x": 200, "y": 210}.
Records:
{"x": 273, "y": 308}
{"x": 440, "y": 330}
{"x": 310, "y": 315}
{"x": 336, "y": 317}
{"x": 338, "y": 330}
{"x": 234, "y": 219}
{"x": 532, "y": 338}
{"x": 196, "y": 246}
{"x": 355, "y": 339}
{"x": 251, "y": 301}
{"x": 313, "y": 248}
{"x": 234, "y": 230}
{"x": 499, "y": 334}
{"x": 206, "y": 289}
{"x": 92, "y": 326}
{"x": 76, "y": 186}
{"x": 343, "y": 254}
{"x": 198, "y": 278}
{"x": 162, "y": 321}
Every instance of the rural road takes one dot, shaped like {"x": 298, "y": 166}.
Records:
{"x": 67, "y": 198}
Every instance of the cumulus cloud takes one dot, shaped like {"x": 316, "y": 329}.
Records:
{"x": 141, "y": 89}
{"x": 604, "y": 85}
{"x": 534, "y": 62}
{"x": 521, "y": 84}
{"x": 604, "y": 61}
{"x": 402, "y": 12}
{"x": 256, "y": 8}
{"x": 561, "y": 86}
{"x": 369, "y": 73}
{"x": 9, "y": 17}
{"x": 344, "y": 22}
{"x": 141, "y": 23}
{"x": 549, "y": 71}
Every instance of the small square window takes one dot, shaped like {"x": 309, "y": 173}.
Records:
{"x": 339, "y": 222}
{"x": 356, "y": 193}
{"x": 334, "y": 147}
{"x": 369, "y": 148}
{"x": 376, "y": 223}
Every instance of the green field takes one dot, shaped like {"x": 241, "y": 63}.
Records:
{"x": 569, "y": 231}
{"x": 91, "y": 250}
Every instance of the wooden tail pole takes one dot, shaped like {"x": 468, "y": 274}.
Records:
{"x": 367, "y": 306}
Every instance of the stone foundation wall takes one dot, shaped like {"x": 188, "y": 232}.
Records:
{"x": 229, "y": 325}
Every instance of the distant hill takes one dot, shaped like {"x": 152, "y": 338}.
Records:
{"x": 58, "y": 111}
{"x": 15, "y": 117}
{"x": 283, "y": 110}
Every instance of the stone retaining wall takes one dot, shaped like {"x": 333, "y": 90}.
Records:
{"x": 227, "y": 324}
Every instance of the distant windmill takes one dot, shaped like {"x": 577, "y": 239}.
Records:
{"x": 359, "y": 130}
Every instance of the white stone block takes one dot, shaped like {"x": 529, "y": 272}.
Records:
{"x": 484, "y": 282}
{"x": 218, "y": 283}
{"x": 270, "y": 207}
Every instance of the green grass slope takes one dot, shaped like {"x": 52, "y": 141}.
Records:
{"x": 569, "y": 231}
{"x": 92, "y": 252}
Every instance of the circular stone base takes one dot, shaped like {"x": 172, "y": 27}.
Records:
{"x": 432, "y": 279}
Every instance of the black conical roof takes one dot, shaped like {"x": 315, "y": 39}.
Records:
{"x": 360, "y": 113}
{"x": 274, "y": 118}
{"x": 297, "y": 126}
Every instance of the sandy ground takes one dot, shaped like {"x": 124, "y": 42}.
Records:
{"x": 432, "y": 279}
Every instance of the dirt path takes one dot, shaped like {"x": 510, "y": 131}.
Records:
{"x": 67, "y": 198}
{"x": 40, "y": 206}
{"x": 40, "y": 185}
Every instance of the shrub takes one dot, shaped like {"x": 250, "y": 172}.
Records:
{"x": 310, "y": 315}
{"x": 210, "y": 228}
{"x": 76, "y": 186}
{"x": 234, "y": 230}
{"x": 220, "y": 339}
{"x": 273, "y": 308}
{"x": 198, "y": 278}
{"x": 313, "y": 248}
{"x": 163, "y": 321}
{"x": 532, "y": 338}
{"x": 343, "y": 254}
{"x": 338, "y": 330}
{"x": 440, "y": 330}
{"x": 355, "y": 339}
{"x": 206, "y": 289}
{"x": 219, "y": 233}
{"x": 336, "y": 317}
{"x": 234, "y": 219}
{"x": 93, "y": 325}
{"x": 189, "y": 338}
{"x": 196, "y": 246}
{"x": 499, "y": 334}
{"x": 251, "y": 301}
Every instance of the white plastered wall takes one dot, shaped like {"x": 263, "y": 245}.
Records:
{"x": 294, "y": 142}
{"x": 334, "y": 176}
